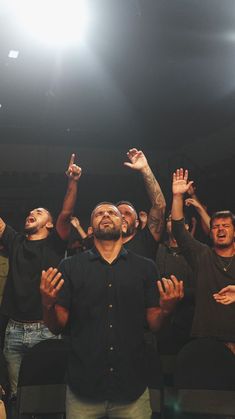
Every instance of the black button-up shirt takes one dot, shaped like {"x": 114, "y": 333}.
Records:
{"x": 107, "y": 305}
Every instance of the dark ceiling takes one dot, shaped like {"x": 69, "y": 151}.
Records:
{"x": 155, "y": 73}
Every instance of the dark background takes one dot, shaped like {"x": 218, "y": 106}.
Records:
{"x": 158, "y": 75}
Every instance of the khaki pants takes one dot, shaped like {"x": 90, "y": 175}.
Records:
{"x": 79, "y": 409}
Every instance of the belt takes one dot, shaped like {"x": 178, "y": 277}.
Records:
{"x": 27, "y": 321}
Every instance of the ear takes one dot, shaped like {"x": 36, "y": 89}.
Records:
{"x": 186, "y": 227}
{"x": 49, "y": 225}
{"x": 137, "y": 223}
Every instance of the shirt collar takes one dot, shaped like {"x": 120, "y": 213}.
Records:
{"x": 94, "y": 254}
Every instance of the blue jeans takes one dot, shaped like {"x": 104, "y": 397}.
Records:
{"x": 77, "y": 408}
{"x": 19, "y": 338}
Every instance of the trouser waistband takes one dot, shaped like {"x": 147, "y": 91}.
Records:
{"x": 23, "y": 323}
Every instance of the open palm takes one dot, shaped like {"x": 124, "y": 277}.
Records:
{"x": 137, "y": 159}
{"x": 180, "y": 184}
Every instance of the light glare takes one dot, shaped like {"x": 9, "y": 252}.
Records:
{"x": 56, "y": 22}
{"x": 13, "y": 54}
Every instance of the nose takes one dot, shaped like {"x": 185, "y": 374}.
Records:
{"x": 106, "y": 213}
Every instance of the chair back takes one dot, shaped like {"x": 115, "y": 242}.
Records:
{"x": 205, "y": 378}
{"x": 41, "y": 384}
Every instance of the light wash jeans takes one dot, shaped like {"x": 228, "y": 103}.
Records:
{"x": 77, "y": 408}
{"x": 19, "y": 338}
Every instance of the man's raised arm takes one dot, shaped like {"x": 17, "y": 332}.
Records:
{"x": 156, "y": 215}
{"x": 63, "y": 225}
{"x": 180, "y": 186}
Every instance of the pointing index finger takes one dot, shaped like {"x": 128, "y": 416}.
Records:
{"x": 72, "y": 158}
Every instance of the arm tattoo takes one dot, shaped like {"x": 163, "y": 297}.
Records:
{"x": 157, "y": 212}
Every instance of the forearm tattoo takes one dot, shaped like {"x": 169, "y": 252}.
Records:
{"x": 156, "y": 216}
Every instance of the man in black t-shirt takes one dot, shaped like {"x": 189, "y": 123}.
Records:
{"x": 38, "y": 248}
{"x": 214, "y": 268}
{"x": 107, "y": 294}
{"x": 143, "y": 241}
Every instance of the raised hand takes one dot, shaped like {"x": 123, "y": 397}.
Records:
{"x": 137, "y": 159}
{"x": 194, "y": 202}
{"x": 180, "y": 184}
{"x": 225, "y": 295}
{"x": 75, "y": 222}
{"x": 171, "y": 292}
{"x": 192, "y": 191}
{"x": 73, "y": 172}
{"x": 51, "y": 283}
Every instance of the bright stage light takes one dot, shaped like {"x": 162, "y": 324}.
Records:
{"x": 56, "y": 22}
{"x": 13, "y": 54}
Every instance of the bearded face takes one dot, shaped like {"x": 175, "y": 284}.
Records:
{"x": 107, "y": 223}
{"x": 107, "y": 234}
{"x": 37, "y": 219}
{"x": 222, "y": 233}
{"x": 130, "y": 228}
{"x": 130, "y": 219}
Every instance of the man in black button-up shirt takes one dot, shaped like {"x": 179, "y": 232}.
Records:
{"x": 107, "y": 294}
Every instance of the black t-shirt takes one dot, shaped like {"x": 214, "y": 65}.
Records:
{"x": 107, "y": 305}
{"x": 27, "y": 259}
{"x": 143, "y": 244}
{"x": 211, "y": 319}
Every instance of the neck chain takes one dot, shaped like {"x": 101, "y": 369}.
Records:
{"x": 223, "y": 266}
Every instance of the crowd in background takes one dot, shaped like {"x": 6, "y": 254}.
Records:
{"x": 194, "y": 279}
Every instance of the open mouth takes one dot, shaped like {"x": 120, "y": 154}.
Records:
{"x": 221, "y": 236}
{"x": 30, "y": 220}
{"x": 106, "y": 223}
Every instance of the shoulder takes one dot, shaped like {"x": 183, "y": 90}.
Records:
{"x": 11, "y": 236}
{"x": 76, "y": 260}
{"x": 144, "y": 232}
{"x": 54, "y": 236}
{"x": 53, "y": 239}
{"x": 139, "y": 260}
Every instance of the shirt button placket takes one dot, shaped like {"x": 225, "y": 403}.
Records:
{"x": 110, "y": 320}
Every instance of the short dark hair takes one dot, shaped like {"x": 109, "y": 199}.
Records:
{"x": 123, "y": 202}
{"x": 222, "y": 214}
{"x": 126, "y": 203}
